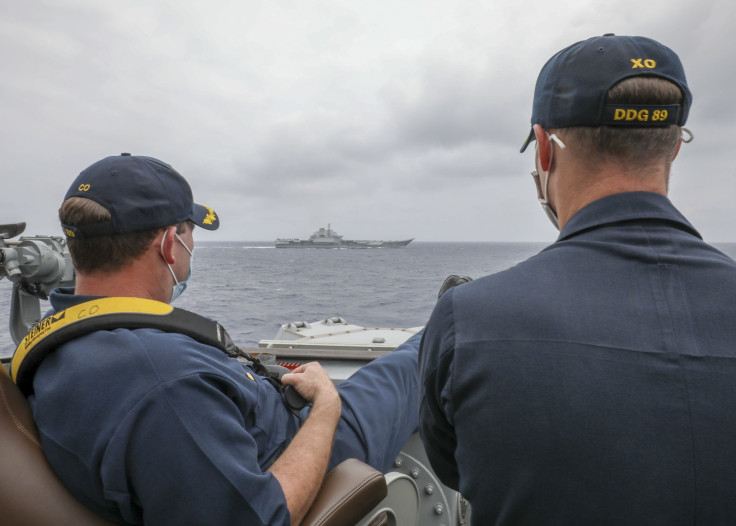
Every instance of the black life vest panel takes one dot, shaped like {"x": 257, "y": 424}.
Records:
{"x": 111, "y": 313}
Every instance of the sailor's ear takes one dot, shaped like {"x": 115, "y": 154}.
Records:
{"x": 543, "y": 148}
{"x": 166, "y": 242}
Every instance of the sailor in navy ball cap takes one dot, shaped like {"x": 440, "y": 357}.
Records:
{"x": 168, "y": 420}
{"x": 594, "y": 382}
{"x": 574, "y": 90}
{"x": 140, "y": 193}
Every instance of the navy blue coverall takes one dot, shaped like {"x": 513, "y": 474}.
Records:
{"x": 150, "y": 427}
{"x": 594, "y": 383}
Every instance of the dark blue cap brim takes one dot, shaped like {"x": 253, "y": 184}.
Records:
{"x": 204, "y": 217}
{"x": 529, "y": 139}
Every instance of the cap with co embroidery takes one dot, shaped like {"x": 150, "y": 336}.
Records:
{"x": 141, "y": 193}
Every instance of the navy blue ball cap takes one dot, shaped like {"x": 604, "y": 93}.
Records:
{"x": 572, "y": 86}
{"x": 141, "y": 193}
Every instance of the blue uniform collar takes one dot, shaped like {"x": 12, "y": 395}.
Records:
{"x": 629, "y": 206}
{"x": 64, "y": 297}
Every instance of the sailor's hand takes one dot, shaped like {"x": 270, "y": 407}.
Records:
{"x": 300, "y": 469}
{"x": 313, "y": 383}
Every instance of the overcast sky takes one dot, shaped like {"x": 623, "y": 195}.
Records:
{"x": 386, "y": 119}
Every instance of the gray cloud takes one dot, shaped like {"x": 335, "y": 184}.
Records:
{"x": 389, "y": 120}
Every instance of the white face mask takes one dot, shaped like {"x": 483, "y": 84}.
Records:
{"x": 542, "y": 192}
{"x": 179, "y": 286}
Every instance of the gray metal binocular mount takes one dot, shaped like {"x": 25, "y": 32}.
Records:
{"x": 35, "y": 265}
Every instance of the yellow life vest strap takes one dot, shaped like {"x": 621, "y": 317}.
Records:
{"x": 108, "y": 314}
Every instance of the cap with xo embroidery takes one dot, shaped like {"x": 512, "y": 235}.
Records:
{"x": 571, "y": 88}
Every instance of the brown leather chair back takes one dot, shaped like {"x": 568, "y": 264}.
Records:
{"x": 30, "y": 492}
{"x": 350, "y": 490}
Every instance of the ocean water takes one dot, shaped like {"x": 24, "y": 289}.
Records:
{"x": 252, "y": 288}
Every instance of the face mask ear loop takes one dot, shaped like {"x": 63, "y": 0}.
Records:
{"x": 191, "y": 254}
{"x": 689, "y": 137}
{"x": 557, "y": 140}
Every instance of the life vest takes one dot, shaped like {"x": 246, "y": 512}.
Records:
{"x": 104, "y": 314}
